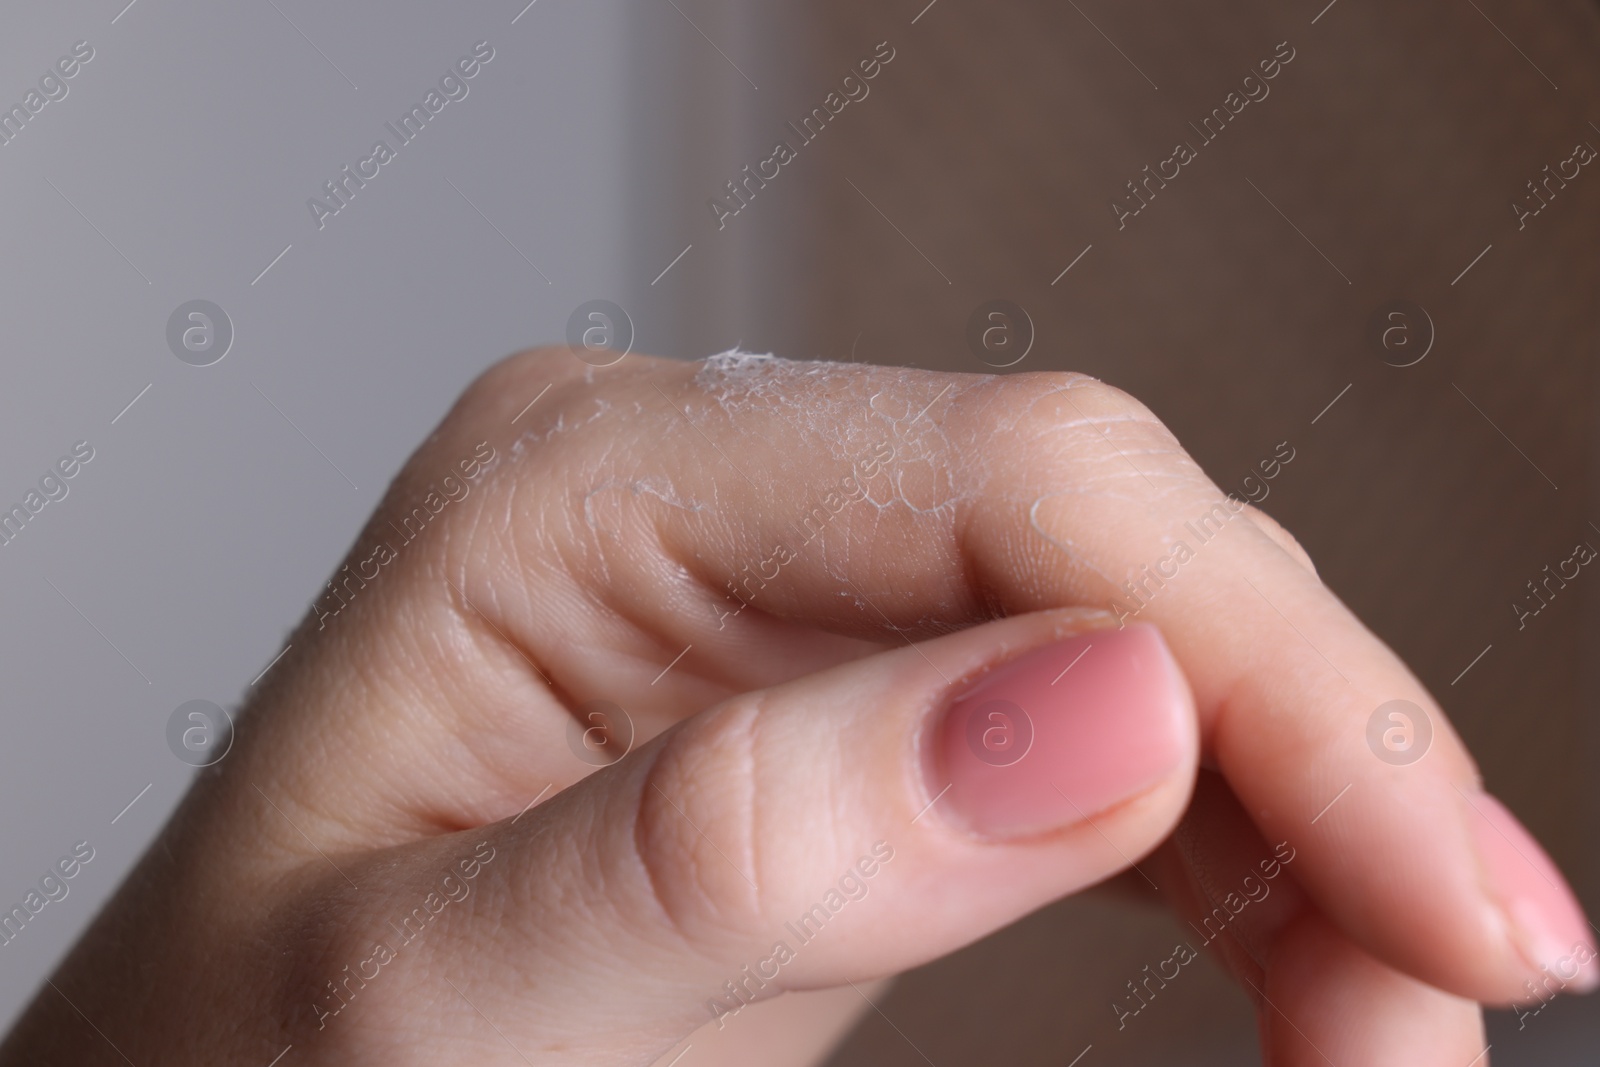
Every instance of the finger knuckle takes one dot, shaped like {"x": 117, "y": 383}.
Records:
{"x": 1282, "y": 537}
{"x": 506, "y": 380}
{"x": 471, "y": 441}
{"x": 1105, "y": 407}
{"x": 1075, "y": 420}
{"x": 694, "y": 831}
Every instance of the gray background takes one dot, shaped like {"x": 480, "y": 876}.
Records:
{"x": 206, "y": 522}
{"x": 179, "y": 165}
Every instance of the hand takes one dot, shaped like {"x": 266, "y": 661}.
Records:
{"x": 865, "y": 638}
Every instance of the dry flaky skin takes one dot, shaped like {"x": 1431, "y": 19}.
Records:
{"x": 736, "y": 554}
{"x": 840, "y": 413}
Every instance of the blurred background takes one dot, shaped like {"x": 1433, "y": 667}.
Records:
{"x": 1444, "y": 458}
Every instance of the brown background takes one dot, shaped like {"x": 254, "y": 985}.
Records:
{"x": 1395, "y": 141}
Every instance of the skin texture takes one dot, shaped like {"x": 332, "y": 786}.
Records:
{"x": 418, "y": 754}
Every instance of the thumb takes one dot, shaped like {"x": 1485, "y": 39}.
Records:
{"x": 851, "y": 824}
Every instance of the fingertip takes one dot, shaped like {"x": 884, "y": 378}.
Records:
{"x": 1541, "y": 916}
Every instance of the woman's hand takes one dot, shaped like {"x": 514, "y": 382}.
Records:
{"x": 896, "y": 658}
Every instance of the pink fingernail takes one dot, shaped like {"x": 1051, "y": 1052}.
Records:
{"x": 1063, "y": 732}
{"x": 1545, "y": 918}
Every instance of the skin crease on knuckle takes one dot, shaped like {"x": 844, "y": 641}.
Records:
{"x": 702, "y": 787}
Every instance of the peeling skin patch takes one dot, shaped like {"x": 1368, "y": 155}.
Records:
{"x": 933, "y": 476}
{"x": 856, "y": 404}
{"x": 735, "y": 363}
{"x": 565, "y": 422}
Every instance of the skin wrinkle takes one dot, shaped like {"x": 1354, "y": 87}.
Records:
{"x": 1115, "y": 461}
{"x": 1111, "y": 456}
{"x": 519, "y": 565}
{"x": 607, "y": 604}
{"x": 485, "y": 633}
{"x": 1118, "y": 464}
{"x": 650, "y": 549}
{"x": 750, "y": 735}
{"x": 736, "y": 729}
{"x": 586, "y": 549}
{"x": 1076, "y": 557}
{"x": 543, "y": 685}
{"x": 637, "y": 488}
{"x": 654, "y": 879}
{"x": 536, "y": 434}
